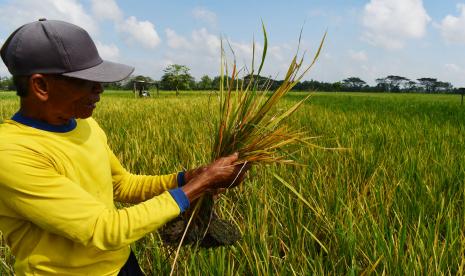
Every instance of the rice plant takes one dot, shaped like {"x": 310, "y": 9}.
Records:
{"x": 250, "y": 125}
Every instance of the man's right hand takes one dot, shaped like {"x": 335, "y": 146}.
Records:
{"x": 222, "y": 173}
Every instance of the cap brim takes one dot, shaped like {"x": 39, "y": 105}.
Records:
{"x": 106, "y": 71}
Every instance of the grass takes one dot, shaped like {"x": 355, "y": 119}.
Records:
{"x": 393, "y": 204}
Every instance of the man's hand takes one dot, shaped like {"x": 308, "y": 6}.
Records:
{"x": 191, "y": 174}
{"x": 222, "y": 173}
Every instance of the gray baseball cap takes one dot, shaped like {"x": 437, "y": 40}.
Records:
{"x": 57, "y": 47}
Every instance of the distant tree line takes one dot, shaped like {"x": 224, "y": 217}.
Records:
{"x": 396, "y": 84}
{"x": 177, "y": 77}
{"x": 6, "y": 83}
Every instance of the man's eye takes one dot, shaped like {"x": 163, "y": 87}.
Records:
{"x": 82, "y": 83}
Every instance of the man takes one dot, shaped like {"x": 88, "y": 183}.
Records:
{"x": 59, "y": 178}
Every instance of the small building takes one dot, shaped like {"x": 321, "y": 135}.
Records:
{"x": 142, "y": 88}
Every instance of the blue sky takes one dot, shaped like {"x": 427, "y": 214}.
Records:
{"x": 367, "y": 39}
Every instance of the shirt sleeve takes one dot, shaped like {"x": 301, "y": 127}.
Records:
{"x": 34, "y": 191}
{"x": 131, "y": 188}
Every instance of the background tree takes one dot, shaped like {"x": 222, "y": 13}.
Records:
{"x": 411, "y": 86}
{"x": 205, "y": 83}
{"x": 428, "y": 84}
{"x": 128, "y": 84}
{"x": 217, "y": 80}
{"x": 395, "y": 82}
{"x": 216, "y": 83}
{"x": 6, "y": 83}
{"x": 444, "y": 87}
{"x": 381, "y": 84}
{"x": 337, "y": 86}
{"x": 177, "y": 77}
{"x": 113, "y": 85}
{"x": 392, "y": 83}
{"x": 353, "y": 84}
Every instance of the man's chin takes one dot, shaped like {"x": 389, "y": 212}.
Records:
{"x": 84, "y": 115}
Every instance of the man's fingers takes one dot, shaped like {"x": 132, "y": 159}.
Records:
{"x": 239, "y": 174}
{"x": 230, "y": 159}
{"x": 242, "y": 168}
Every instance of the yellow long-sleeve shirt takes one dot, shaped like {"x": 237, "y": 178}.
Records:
{"x": 57, "y": 193}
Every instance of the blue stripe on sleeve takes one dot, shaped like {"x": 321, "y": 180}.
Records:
{"x": 181, "y": 199}
{"x": 180, "y": 179}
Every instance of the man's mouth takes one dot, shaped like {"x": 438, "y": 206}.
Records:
{"x": 92, "y": 104}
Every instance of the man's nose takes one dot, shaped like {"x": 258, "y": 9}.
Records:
{"x": 97, "y": 88}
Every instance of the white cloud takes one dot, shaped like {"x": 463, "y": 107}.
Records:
{"x": 132, "y": 31}
{"x": 454, "y": 68}
{"x": 174, "y": 40}
{"x": 453, "y": 73}
{"x": 243, "y": 53}
{"x": 139, "y": 32}
{"x": 200, "y": 41}
{"x": 359, "y": 56}
{"x": 212, "y": 42}
{"x": 276, "y": 52}
{"x": 106, "y": 9}
{"x": 452, "y": 27}
{"x": 167, "y": 62}
{"x": 200, "y": 51}
{"x": 15, "y": 14}
{"x": 205, "y": 15}
{"x": 108, "y": 52}
{"x": 389, "y": 23}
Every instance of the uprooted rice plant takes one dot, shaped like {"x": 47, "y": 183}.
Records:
{"x": 250, "y": 124}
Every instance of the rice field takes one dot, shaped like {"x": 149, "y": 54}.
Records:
{"x": 391, "y": 203}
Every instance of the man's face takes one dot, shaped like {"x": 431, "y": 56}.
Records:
{"x": 71, "y": 98}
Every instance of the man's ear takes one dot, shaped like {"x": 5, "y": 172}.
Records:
{"x": 39, "y": 86}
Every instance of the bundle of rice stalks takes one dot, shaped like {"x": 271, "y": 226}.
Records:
{"x": 249, "y": 124}
{"x": 246, "y": 125}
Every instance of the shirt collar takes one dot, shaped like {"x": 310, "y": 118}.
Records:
{"x": 70, "y": 125}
